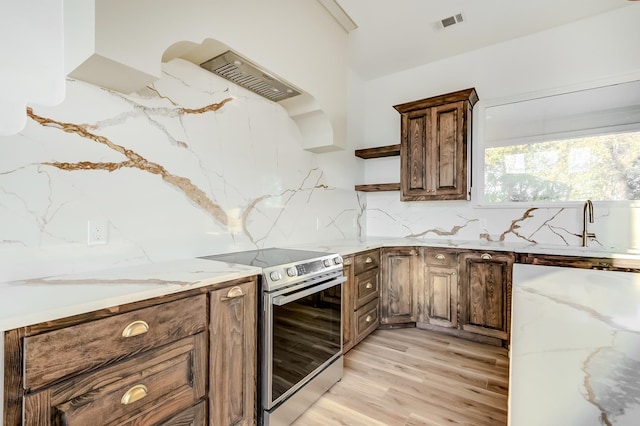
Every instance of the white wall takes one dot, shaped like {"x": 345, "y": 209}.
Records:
{"x": 595, "y": 49}
{"x": 296, "y": 40}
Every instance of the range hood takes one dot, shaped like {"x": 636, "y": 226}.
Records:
{"x": 238, "y": 70}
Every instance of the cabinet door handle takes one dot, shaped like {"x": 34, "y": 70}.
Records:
{"x": 486, "y": 256}
{"x": 134, "y": 394}
{"x": 368, "y": 285}
{"x": 453, "y": 273}
{"x": 368, "y": 260}
{"x": 369, "y": 318}
{"x": 439, "y": 256}
{"x": 234, "y": 293}
{"x": 136, "y": 328}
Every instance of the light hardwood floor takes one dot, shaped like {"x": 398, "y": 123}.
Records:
{"x": 416, "y": 377}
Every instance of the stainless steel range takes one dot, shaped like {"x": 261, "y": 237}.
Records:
{"x": 300, "y": 348}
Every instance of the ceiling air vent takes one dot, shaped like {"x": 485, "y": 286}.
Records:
{"x": 243, "y": 73}
{"x": 449, "y": 21}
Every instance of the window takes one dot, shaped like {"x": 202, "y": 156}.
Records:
{"x": 564, "y": 148}
{"x": 603, "y": 167}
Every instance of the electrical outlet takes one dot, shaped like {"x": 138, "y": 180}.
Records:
{"x": 97, "y": 231}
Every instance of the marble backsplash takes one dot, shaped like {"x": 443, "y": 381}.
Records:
{"x": 192, "y": 165}
{"x": 615, "y": 227}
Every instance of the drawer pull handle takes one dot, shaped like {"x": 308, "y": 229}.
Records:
{"x": 135, "y": 329}
{"x": 368, "y": 260}
{"x": 134, "y": 394}
{"x": 439, "y": 256}
{"x": 486, "y": 256}
{"x": 369, "y": 318}
{"x": 234, "y": 292}
{"x": 368, "y": 286}
{"x": 347, "y": 262}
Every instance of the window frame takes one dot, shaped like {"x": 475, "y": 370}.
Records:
{"x": 478, "y": 146}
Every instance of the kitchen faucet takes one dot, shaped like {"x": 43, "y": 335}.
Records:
{"x": 587, "y": 211}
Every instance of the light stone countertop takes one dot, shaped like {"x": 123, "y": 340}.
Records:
{"x": 347, "y": 247}
{"x": 575, "y": 347}
{"x": 31, "y": 301}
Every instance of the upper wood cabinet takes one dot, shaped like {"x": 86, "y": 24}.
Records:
{"x": 435, "y": 147}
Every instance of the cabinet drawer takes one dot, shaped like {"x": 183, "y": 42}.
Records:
{"x": 440, "y": 257}
{"x": 54, "y": 355}
{"x": 367, "y": 320}
{"x": 366, "y": 261}
{"x": 195, "y": 416}
{"x": 140, "y": 391}
{"x": 366, "y": 287}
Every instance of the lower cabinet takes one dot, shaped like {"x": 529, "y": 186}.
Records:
{"x": 232, "y": 370}
{"x": 438, "y": 300}
{"x": 146, "y": 363}
{"x": 485, "y": 293}
{"x": 360, "y": 297}
{"x": 143, "y": 390}
{"x": 193, "y": 416}
{"x": 467, "y": 293}
{"x": 398, "y": 296}
{"x": 348, "y": 306}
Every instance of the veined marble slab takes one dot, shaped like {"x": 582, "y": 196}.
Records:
{"x": 31, "y": 301}
{"x": 575, "y": 347}
{"x": 191, "y": 165}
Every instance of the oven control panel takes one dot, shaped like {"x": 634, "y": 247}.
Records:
{"x": 284, "y": 275}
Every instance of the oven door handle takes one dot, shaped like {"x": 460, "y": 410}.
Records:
{"x": 283, "y": 300}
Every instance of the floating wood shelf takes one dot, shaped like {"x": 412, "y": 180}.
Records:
{"x": 379, "y": 152}
{"x": 375, "y": 187}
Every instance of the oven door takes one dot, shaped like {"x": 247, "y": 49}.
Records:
{"x": 302, "y": 331}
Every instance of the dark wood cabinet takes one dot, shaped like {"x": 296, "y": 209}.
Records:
{"x": 438, "y": 304}
{"x": 360, "y": 295}
{"x": 366, "y": 281}
{"x": 399, "y": 285}
{"x": 435, "y": 147}
{"x": 485, "y": 293}
{"x": 150, "y": 362}
{"x": 467, "y": 293}
{"x": 138, "y": 367}
{"x": 348, "y": 305}
{"x": 232, "y": 366}
{"x": 142, "y": 390}
{"x": 196, "y": 415}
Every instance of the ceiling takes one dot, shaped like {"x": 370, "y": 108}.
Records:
{"x": 394, "y": 35}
